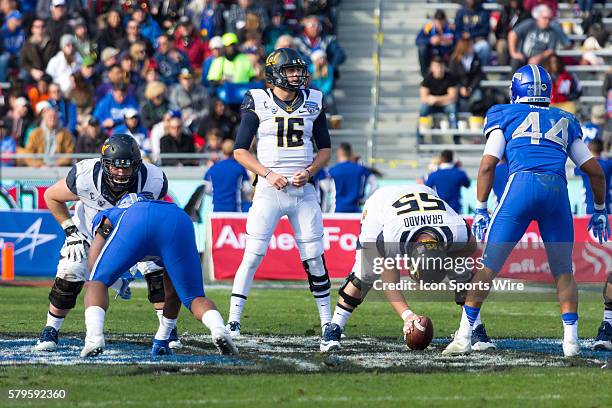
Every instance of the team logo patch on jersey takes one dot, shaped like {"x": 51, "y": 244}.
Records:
{"x": 311, "y": 106}
{"x": 101, "y": 203}
{"x": 92, "y": 195}
{"x": 273, "y": 109}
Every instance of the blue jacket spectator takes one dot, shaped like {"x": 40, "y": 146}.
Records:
{"x": 596, "y": 147}
{"x": 472, "y": 22}
{"x": 436, "y": 39}
{"x": 447, "y": 180}
{"x": 13, "y": 36}
{"x": 312, "y": 39}
{"x": 111, "y": 109}
{"x": 148, "y": 28}
{"x": 227, "y": 180}
{"x": 132, "y": 127}
{"x": 350, "y": 181}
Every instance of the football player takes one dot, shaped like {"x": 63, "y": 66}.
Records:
{"x": 96, "y": 184}
{"x": 536, "y": 140}
{"x": 411, "y": 221}
{"x": 288, "y": 121}
{"x": 130, "y": 232}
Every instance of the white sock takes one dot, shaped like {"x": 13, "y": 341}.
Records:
{"x": 477, "y": 322}
{"x": 570, "y": 332}
{"x": 160, "y": 314}
{"x": 465, "y": 328}
{"x": 323, "y": 304}
{"x": 242, "y": 284}
{"x": 165, "y": 327}
{"x": 341, "y": 316}
{"x": 55, "y": 322}
{"x": 213, "y": 320}
{"x": 94, "y": 321}
{"x": 608, "y": 316}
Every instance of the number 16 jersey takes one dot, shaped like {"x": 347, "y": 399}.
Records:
{"x": 284, "y": 135}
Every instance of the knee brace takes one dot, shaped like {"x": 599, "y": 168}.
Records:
{"x": 318, "y": 278}
{"x": 359, "y": 284}
{"x": 155, "y": 286}
{"x": 607, "y": 297}
{"x": 64, "y": 293}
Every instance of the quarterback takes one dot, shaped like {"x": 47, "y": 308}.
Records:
{"x": 288, "y": 121}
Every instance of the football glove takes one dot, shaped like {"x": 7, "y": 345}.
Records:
{"x": 125, "y": 292}
{"x": 76, "y": 245}
{"x": 600, "y": 225}
{"x": 481, "y": 223}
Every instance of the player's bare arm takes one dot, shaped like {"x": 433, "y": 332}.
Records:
{"x": 486, "y": 174}
{"x": 56, "y": 198}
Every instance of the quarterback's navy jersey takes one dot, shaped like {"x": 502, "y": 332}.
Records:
{"x": 537, "y": 137}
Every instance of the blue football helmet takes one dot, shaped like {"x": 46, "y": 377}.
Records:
{"x": 530, "y": 83}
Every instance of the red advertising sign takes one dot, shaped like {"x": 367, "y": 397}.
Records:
{"x": 528, "y": 261}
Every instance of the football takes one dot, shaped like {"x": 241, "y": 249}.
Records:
{"x": 422, "y": 334}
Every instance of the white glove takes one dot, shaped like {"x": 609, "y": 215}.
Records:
{"x": 76, "y": 245}
{"x": 409, "y": 319}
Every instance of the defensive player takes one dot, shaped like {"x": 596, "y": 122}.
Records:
{"x": 536, "y": 140}
{"x": 131, "y": 232}
{"x": 404, "y": 220}
{"x": 288, "y": 121}
{"x": 96, "y": 184}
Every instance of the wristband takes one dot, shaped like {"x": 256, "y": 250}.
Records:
{"x": 406, "y": 314}
{"x": 599, "y": 207}
{"x": 67, "y": 223}
{"x": 481, "y": 205}
{"x": 269, "y": 171}
{"x": 309, "y": 173}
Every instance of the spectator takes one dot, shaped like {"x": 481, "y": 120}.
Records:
{"x": 40, "y": 92}
{"x": 275, "y": 29}
{"x": 512, "y": 14}
{"x": 285, "y": 41}
{"x": 82, "y": 94}
{"x": 252, "y": 26}
{"x": 66, "y": 110}
{"x": 49, "y": 139}
{"x": 169, "y": 60}
{"x": 12, "y": 41}
{"x": 177, "y": 140}
{"x": 435, "y": 39}
{"x": 158, "y": 131}
{"x": 82, "y": 40}
{"x": 57, "y": 23}
{"x": 213, "y": 145}
{"x": 597, "y": 148}
{"x": 22, "y": 118}
{"x": 189, "y": 41}
{"x": 534, "y": 40}
{"x": 566, "y": 88}
{"x": 219, "y": 117}
{"x": 8, "y": 145}
{"x": 110, "y": 110}
{"x": 232, "y": 66}
{"x": 553, "y": 5}
{"x": 438, "y": 92}
{"x": 91, "y": 138}
{"x": 64, "y": 63}
{"x": 114, "y": 77}
{"x": 227, "y": 181}
{"x": 128, "y": 70}
{"x": 207, "y": 16}
{"x": 44, "y": 8}
{"x": 132, "y": 127}
{"x": 148, "y": 27}
{"x": 466, "y": 68}
{"x": 156, "y": 104}
{"x": 472, "y": 22}
{"x": 216, "y": 49}
{"x": 189, "y": 98}
{"x": 237, "y": 15}
{"x": 113, "y": 34}
{"x": 322, "y": 78}
{"x": 351, "y": 180}
{"x": 312, "y": 39}
{"x": 593, "y": 128}
{"x": 138, "y": 52}
{"x": 88, "y": 72}
{"x": 447, "y": 180}
{"x": 36, "y": 51}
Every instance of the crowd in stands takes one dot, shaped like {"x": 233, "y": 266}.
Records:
{"x": 453, "y": 51}
{"x": 171, "y": 73}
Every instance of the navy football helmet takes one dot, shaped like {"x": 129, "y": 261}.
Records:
{"x": 530, "y": 83}
{"x": 276, "y": 64}
{"x": 120, "y": 150}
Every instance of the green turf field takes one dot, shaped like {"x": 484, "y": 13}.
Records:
{"x": 280, "y": 363}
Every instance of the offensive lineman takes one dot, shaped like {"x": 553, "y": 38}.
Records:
{"x": 289, "y": 121}
{"x": 95, "y": 184}
{"x": 536, "y": 140}
{"x": 406, "y": 221}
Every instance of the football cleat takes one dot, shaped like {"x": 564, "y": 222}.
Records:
{"x": 93, "y": 347}
{"x": 459, "y": 345}
{"x": 234, "y": 329}
{"x": 603, "y": 341}
{"x": 48, "y": 340}
{"x": 161, "y": 348}
{"x": 175, "y": 342}
{"x": 481, "y": 340}
{"x": 571, "y": 348}
{"x": 331, "y": 337}
{"x": 222, "y": 339}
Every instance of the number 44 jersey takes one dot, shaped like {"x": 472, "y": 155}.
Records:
{"x": 537, "y": 137}
{"x": 284, "y": 136}
{"x": 394, "y": 216}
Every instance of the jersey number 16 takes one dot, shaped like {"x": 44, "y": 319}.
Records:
{"x": 289, "y": 131}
